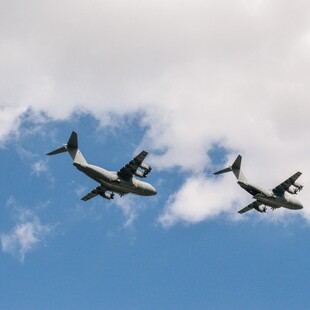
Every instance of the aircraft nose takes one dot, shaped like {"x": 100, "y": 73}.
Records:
{"x": 152, "y": 190}
{"x": 298, "y": 205}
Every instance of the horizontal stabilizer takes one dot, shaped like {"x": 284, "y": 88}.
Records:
{"x": 72, "y": 148}
{"x": 236, "y": 169}
{"x": 58, "y": 151}
{"x": 223, "y": 171}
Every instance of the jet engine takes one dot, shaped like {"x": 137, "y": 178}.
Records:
{"x": 299, "y": 186}
{"x": 105, "y": 195}
{"x": 146, "y": 170}
{"x": 145, "y": 167}
{"x": 293, "y": 189}
{"x": 109, "y": 195}
{"x": 140, "y": 174}
{"x": 261, "y": 208}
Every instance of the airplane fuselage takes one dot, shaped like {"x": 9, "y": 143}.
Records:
{"x": 111, "y": 181}
{"x": 277, "y": 197}
{"x": 270, "y": 198}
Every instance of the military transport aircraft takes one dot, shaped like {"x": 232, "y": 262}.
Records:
{"x": 121, "y": 181}
{"x": 274, "y": 198}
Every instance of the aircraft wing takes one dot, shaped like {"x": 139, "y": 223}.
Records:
{"x": 251, "y": 206}
{"x": 90, "y": 195}
{"x": 99, "y": 190}
{"x": 280, "y": 189}
{"x": 132, "y": 167}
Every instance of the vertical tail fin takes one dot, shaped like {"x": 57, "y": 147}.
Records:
{"x": 74, "y": 151}
{"x": 236, "y": 169}
{"x": 72, "y": 148}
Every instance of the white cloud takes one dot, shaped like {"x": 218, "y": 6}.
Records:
{"x": 201, "y": 72}
{"x": 201, "y": 198}
{"x": 40, "y": 166}
{"x": 28, "y": 231}
{"x": 9, "y": 120}
{"x": 130, "y": 208}
{"x": 198, "y": 199}
{"x": 24, "y": 237}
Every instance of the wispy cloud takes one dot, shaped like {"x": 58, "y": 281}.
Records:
{"x": 24, "y": 237}
{"x": 40, "y": 166}
{"x": 131, "y": 207}
{"x": 27, "y": 233}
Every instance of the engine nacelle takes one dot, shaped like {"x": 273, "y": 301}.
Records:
{"x": 106, "y": 195}
{"x": 140, "y": 174}
{"x": 261, "y": 208}
{"x": 298, "y": 185}
{"x": 145, "y": 167}
{"x": 293, "y": 189}
{"x": 109, "y": 195}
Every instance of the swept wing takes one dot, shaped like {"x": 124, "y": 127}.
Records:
{"x": 99, "y": 190}
{"x": 253, "y": 205}
{"x": 132, "y": 167}
{"x": 284, "y": 186}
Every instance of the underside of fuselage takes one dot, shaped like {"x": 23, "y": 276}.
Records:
{"x": 278, "y": 202}
{"x": 254, "y": 189}
{"x": 269, "y": 198}
{"x": 121, "y": 181}
{"x": 122, "y": 187}
{"x": 111, "y": 181}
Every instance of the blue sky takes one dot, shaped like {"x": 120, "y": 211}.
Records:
{"x": 194, "y": 84}
{"x": 89, "y": 258}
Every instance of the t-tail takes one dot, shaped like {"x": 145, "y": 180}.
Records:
{"x": 236, "y": 169}
{"x": 72, "y": 148}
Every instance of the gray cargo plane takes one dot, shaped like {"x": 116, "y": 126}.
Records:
{"x": 121, "y": 181}
{"x": 274, "y": 198}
